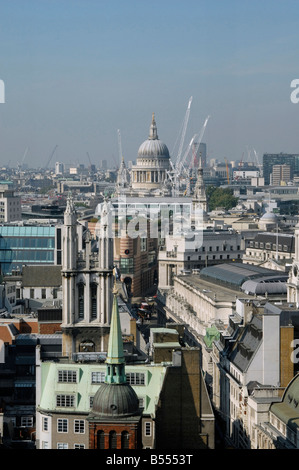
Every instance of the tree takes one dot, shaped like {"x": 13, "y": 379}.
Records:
{"x": 220, "y": 197}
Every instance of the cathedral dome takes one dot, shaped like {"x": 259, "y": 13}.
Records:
{"x": 115, "y": 400}
{"x": 153, "y": 147}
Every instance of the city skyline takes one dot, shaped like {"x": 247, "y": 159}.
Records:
{"x": 75, "y": 72}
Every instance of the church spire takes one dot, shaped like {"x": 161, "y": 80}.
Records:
{"x": 115, "y": 372}
{"x": 199, "y": 190}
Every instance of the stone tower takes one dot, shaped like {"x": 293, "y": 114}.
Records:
{"x": 87, "y": 281}
{"x": 199, "y": 195}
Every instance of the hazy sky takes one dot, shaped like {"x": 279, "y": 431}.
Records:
{"x": 76, "y": 71}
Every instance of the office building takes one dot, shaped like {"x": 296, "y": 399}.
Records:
{"x": 281, "y": 175}
{"x": 10, "y": 205}
{"x": 269, "y": 160}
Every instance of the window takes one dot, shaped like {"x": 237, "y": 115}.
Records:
{"x": 62, "y": 445}
{"x": 135, "y": 378}
{"x": 127, "y": 265}
{"x": 27, "y": 421}
{"x": 112, "y": 440}
{"x": 45, "y": 445}
{"x": 148, "y": 428}
{"x": 125, "y": 440}
{"x": 101, "y": 440}
{"x": 79, "y": 446}
{"x": 141, "y": 402}
{"x": 31, "y": 293}
{"x": 62, "y": 425}
{"x": 81, "y": 299}
{"x": 143, "y": 244}
{"x": 97, "y": 377}
{"x": 79, "y": 426}
{"x": 44, "y": 296}
{"x": 65, "y": 400}
{"x": 45, "y": 424}
{"x": 93, "y": 295}
{"x": 67, "y": 376}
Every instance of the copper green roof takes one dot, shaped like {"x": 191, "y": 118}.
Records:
{"x": 212, "y": 334}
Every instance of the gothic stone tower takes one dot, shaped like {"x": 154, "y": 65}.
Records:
{"x": 87, "y": 287}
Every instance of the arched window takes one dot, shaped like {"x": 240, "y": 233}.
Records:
{"x": 93, "y": 297}
{"x": 112, "y": 440}
{"x": 100, "y": 440}
{"x": 125, "y": 440}
{"x": 81, "y": 299}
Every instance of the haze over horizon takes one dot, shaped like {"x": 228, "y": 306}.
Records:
{"x": 77, "y": 71}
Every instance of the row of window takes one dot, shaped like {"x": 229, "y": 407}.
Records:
{"x": 30, "y": 242}
{"x": 63, "y": 425}
{"x": 214, "y": 257}
{"x": 43, "y": 293}
{"x": 71, "y": 376}
{"x": 268, "y": 246}
{"x": 69, "y": 401}
{"x": 218, "y": 248}
{"x": 27, "y": 255}
{"x": 79, "y": 426}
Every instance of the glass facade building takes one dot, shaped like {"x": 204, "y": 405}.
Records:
{"x": 21, "y": 245}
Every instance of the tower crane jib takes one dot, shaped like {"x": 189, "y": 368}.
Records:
{"x": 185, "y": 123}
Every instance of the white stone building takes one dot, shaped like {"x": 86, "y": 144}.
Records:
{"x": 10, "y": 205}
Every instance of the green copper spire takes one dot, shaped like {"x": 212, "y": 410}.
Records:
{"x": 115, "y": 372}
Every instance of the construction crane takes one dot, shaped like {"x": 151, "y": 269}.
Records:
{"x": 51, "y": 156}
{"x": 201, "y": 133}
{"x": 22, "y": 161}
{"x": 185, "y": 123}
{"x": 89, "y": 158}
{"x": 183, "y": 134}
{"x": 227, "y": 170}
{"x": 179, "y": 167}
{"x": 257, "y": 159}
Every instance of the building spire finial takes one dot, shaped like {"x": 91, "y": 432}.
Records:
{"x": 115, "y": 361}
{"x": 153, "y": 129}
